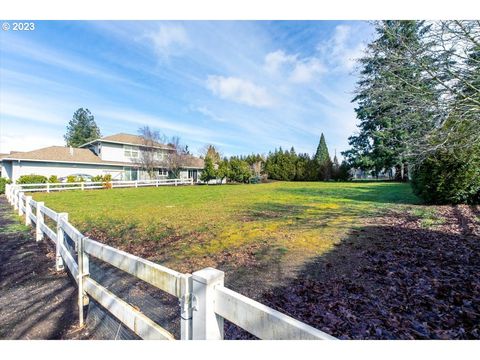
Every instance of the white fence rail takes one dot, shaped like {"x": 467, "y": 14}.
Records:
{"x": 204, "y": 301}
{"x": 91, "y": 185}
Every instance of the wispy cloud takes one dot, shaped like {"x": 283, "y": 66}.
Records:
{"x": 239, "y": 90}
{"x": 297, "y": 69}
{"x": 168, "y": 40}
{"x": 307, "y": 70}
{"x": 275, "y": 60}
{"x": 342, "y": 49}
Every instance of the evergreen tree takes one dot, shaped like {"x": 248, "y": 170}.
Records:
{"x": 335, "y": 167}
{"x": 208, "y": 172}
{"x": 81, "y": 129}
{"x": 389, "y": 85}
{"x": 239, "y": 170}
{"x": 323, "y": 160}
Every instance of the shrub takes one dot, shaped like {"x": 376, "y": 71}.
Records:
{"x": 254, "y": 180}
{"x": 53, "y": 179}
{"x": 71, "y": 179}
{"x": 107, "y": 181}
{"x": 4, "y": 182}
{"x": 97, "y": 178}
{"x": 448, "y": 178}
{"x": 32, "y": 179}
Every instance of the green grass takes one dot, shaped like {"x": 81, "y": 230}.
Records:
{"x": 200, "y": 225}
{"x": 428, "y": 216}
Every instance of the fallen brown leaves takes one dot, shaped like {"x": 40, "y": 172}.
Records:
{"x": 392, "y": 280}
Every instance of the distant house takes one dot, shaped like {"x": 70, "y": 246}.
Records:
{"x": 117, "y": 155}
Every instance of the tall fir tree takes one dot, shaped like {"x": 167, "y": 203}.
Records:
{"x": 81, "y": 129}
{"x": 322, "y": 157}
{"x": 388, "y": 86}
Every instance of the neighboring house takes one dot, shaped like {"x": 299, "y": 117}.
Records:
{"x": 117, "y": 155}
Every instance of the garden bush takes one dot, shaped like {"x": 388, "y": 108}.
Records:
{"x": 32, "y": 179}
{"x": 53, "y": 179}
{"x": 71, "y": 179}
{"x": 448, "y": 178}
{"x": 4, "y": 182}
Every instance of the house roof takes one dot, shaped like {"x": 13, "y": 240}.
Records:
{"x": 57, "y": 153}
{"x": 79, "y": 155}
{"x": 191, "y": 161}
{"x": 129, "y": 139}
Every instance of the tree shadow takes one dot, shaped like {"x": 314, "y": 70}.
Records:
{"x": 387, "y": 282}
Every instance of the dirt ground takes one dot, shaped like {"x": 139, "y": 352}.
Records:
{"x": 395, "y": 278}
{"x": 36, "y": 302}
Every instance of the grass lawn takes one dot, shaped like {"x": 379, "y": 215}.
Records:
{"x": 281, "y": 224}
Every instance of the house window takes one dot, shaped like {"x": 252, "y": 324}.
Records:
{"x": 163, "y": 172}
{"x": 158, "y": 155}
{"x": 130, "y": 151}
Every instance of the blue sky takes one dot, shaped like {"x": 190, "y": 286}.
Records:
{"x": 246, "y": 87}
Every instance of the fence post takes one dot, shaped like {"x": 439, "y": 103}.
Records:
{"x": 83, "y": 186}
{"x": 7, "y": 191}
{"x": 48, "y": 187}
{"x": 40, "y": 221}
{"x": 20, "y": 203}
{"x": 207, "y": 325}
{"x": 83, "y": 271}
{"x": 186, "y": 307}
{"x": 191, "y": 181}
{"x": 175, "y": 182}
{"x": 60, "y": 240}
{"x": 136, "y": 183}
{"x": 28, "y": 210}
{"x": 15, "y": 198}
{"x": 156, "y": 183}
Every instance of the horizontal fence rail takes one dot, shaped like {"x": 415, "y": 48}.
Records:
{"x": 92, "y": 185}
{"x": 204, "y": 301}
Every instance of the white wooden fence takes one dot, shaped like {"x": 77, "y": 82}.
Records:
{"x": 90, "y": 185}
{"x": 204, "y": 300}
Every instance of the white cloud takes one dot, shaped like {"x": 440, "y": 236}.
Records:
{"x": 239, "y": 90}
{"x": 169, "y": 39}
{"x": 306, "y": 71}
{"x": 275, "y": 60}
{"x": 297, "y": 69}
{"x": 342, "y": 49}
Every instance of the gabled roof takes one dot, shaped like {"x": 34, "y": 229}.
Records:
{"x": 79, "y": 155}
{"x": 128, "y": 139}
{"x": 57, "y": 153}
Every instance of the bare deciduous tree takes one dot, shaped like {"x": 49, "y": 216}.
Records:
{"x": 149, "y": 159}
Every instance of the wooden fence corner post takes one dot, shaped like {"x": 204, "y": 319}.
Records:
{"x": 28, "y": 210}
{"x": 48, "y": 187}
{"x": 60, "y": 240}
{"x": 207, "y": 325}
{"x": 83, "y": 271}
{"x": 40, "y": 221}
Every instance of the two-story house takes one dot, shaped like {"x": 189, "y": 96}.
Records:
{"x": 118, "y": 155}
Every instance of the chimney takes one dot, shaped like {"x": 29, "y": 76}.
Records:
{"x": 71, "y": 151}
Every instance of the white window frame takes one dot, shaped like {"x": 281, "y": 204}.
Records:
{"x": 162, "y": 172}
{"x": 130, "y": 151}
